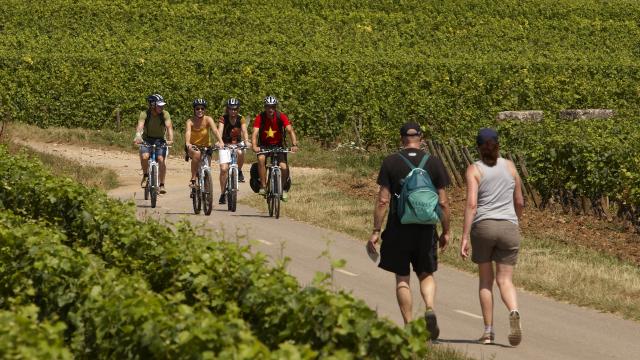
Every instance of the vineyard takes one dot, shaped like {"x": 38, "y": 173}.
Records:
{"x": 336, "y": 65}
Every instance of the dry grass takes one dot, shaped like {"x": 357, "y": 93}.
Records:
{"x": 100, "y": 139}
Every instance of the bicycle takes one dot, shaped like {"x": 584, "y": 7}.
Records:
{"x": 274, "y": 180}
{"x": 152, "y": 186}
{"x": 231, "y": 190}
{"x": 202, "y": 193}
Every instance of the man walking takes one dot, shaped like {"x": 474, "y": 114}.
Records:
{"x": 415, "y": 244}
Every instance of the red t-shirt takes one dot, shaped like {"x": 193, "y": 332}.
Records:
{"x": 271, "y": 134}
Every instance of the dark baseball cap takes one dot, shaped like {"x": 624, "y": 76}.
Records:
{"x": 410, "y": 129}
{"x": 486, "y": 134}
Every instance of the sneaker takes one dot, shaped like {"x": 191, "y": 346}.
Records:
{"x": 143, "y": 182}
{"x": 262, "y": 192}
{"x": 515, "y": 336}
{"x": 223, "y": 199}
{"x": 240, "y": 176}
{"x": 432, "y": 324}
{"x": 487, "y": 338}
{"x": 285, "y": 196}
{"x": 162, "y": 189}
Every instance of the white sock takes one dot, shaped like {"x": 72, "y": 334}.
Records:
{"x": 488, "y": 328}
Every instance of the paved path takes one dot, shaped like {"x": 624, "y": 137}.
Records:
{"x": 552, "y": 330}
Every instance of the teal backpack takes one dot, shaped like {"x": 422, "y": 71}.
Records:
{"x": 418, "y": 201}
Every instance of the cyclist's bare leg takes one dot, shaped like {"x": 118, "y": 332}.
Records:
{"x": 144, "y": 162}
{"x": 240, "y": 159}
{"x": 224, "y": 172}
{"x": 285, "y": 171}
{"x": 163, "y": 168}
{"x": 262, "y": 170}
{"x": 195, "y": 162}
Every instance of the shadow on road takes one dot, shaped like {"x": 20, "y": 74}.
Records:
{"x": 464, "y": 341}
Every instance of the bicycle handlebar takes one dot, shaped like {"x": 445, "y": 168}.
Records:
{"x": 273, "y": 151}
{"x": 146, "y": 144}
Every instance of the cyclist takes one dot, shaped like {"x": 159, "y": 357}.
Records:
{"x": 268, "y": 131}
{"x": 153, "y": 125}
{"x": 233, "y": 128}
{"x": 197, "y": 135}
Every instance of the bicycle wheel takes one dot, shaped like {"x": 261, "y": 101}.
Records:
{"x": 277, "y": 192}
{"x": 195, "y": 199}
{"x": 153, "y": 180}
{"x": 269, "y": 194}
{"x": 146, "y": 191}
{"x": 207, "y": 193}
{"x": 232, "y": 189}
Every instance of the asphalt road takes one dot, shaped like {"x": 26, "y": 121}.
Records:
{"x": 551, "y": 329}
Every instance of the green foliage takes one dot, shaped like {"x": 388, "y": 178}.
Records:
{"x": 593, "y": 158}
{"x": 334, "y": 64}
{"x": 198, "y": 272}
{"x": 109, "y": 313}
{"x": 22, "y": 336}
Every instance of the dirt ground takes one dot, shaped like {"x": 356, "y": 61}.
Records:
{"x": 611, "y": 237}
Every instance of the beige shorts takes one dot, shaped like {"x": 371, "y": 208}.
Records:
{"x": 495, "y": 240}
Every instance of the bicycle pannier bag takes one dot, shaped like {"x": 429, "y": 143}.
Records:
{"x": 254, "y": 178}
{"x": 418, "y": 201}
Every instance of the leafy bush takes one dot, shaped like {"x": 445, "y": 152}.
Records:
{"x": 205, "y": 273}
{"x": 22, "y": 336}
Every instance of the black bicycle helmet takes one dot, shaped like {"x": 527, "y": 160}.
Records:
{"x": 233, "y": 102}
{"x": 199, "y": 102}
{"x": 270, "y": 101}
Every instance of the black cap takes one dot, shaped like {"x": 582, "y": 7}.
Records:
{"x": 410, "y": 129}
{"x": 486, "y": 134}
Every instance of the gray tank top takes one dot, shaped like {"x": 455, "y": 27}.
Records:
{"x": 495, "y": 192}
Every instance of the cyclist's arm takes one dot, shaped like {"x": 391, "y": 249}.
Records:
{"x": 168, "y": 125}
{"x": 187, "y": 134}
{"x": 245, "y": 131}
{"x": 254, "y": 139}
{"x": 217, "y": 132}
{"x": 292, "y": 134}
{"x": 140, "y": 128}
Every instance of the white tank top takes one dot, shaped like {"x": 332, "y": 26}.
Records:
{"x": 495, "y": 192}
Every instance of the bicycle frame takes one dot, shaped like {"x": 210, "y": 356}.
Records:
{"x": 153, "y": 172}
{"x": 274, "y": 180}
{"x": 201, "y": 194}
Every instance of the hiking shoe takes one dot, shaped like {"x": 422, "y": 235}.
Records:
{"x": 262, "y": 192}
{"x": 143, "y": 182}
{"x": 515, "y": 336}
{"x": 162, "y": 189}
{"x": 285, "y": 196}
{"x": 240, "y": 176}
{"x": 223, "y": 199}
{"x": 432, "y": 324}
{"x": 487, "y": 338}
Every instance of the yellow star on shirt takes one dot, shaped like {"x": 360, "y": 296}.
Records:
{"x": 270, "y": 133}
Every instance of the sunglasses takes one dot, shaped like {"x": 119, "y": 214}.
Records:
{"x": 233, "y": 109}
{"x": 200, "y": 109}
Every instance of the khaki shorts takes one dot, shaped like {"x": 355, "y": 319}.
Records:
{"x": 495, "y": 240}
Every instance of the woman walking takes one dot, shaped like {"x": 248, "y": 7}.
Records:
{"x": 494, "y": 205}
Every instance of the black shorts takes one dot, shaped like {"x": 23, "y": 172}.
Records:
{"x": 409, "y": 244}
